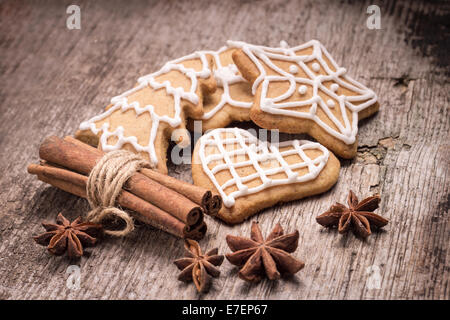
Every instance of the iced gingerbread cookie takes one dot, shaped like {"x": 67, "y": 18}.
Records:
{"x": 232, "y": 99}
{"x": 251, "y": 175}
{"x": 144, "y": 118}
{"x": 303, "y": 90}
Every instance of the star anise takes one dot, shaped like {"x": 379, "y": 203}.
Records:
{"x": 270, "y": 257}
{"x": 358, "y": 216}
{"x": 199, "y": 267}
{"x": 68, "y": 236}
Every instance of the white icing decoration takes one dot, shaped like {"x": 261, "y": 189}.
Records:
{"x": 293, "y": 69}
{"x": 316, "y": 67}
{"x": 225, "y": 76}
{"x": 365, "y": 97}
{"x": 334, "y": 87}
{"x": 121, "y": 103}
{"x": 257, "y": 151}
{"x": 330, "y": 103}
{"x": 284, "y": 44}
{"x": 302, "y": 89}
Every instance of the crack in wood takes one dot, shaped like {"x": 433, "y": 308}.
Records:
{"x": 375, "y": 154}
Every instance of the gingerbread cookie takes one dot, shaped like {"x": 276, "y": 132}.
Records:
{"x": 251, "y": 175}
{"x": 143, "y": 119}
{"x": 303, "y": 90}
{"x": 232, "y": 99}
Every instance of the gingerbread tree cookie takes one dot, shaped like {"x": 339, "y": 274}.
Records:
{"x": 303, "y": 90}
{"x": 143, "y": 119}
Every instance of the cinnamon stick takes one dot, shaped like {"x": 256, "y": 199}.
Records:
{"x": 81, "y": 160}
{"x": 213, "y": 205}
{"x": 210, "y": 202}
{"x": 75, "y": 183}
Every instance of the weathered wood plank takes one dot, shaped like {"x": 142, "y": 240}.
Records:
{"x": 53, "y": 78}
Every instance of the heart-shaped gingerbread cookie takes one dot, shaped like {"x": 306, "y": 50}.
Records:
{"x": 251, "y": 175}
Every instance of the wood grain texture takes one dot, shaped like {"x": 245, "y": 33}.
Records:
{"x": 53, "y": 78}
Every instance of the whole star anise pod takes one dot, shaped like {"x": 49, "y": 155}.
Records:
{"x": 68, "y": 236}
{"x": 358, "y": 216}
{"x": 199, "y": 267}
{"x": 270, "y": 257}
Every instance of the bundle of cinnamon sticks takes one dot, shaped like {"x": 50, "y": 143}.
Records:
{"x": 164, "y": 202}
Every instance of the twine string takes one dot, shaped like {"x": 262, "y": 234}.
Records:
{"x": 105, "y": 183}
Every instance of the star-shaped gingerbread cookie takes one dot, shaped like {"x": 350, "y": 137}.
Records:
{"x": 303, "y": 90}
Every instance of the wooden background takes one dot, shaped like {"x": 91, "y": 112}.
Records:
{"x": 53, "y": 78}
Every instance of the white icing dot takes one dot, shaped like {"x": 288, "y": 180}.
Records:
{"x": 293, "y": 69}
{"x": 316, "y": 67}
{"x": 302, "y": 89}
{"x": 330, "y": 103}
{"x": 334, "y": 87}
{"x": 284, "y": 44}
{"x": 226, "y": 74}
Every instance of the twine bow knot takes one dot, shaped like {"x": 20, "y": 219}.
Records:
{"x": 105, "y": 183}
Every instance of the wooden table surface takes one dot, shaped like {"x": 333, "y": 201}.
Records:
{"x": 52, "y": 78}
